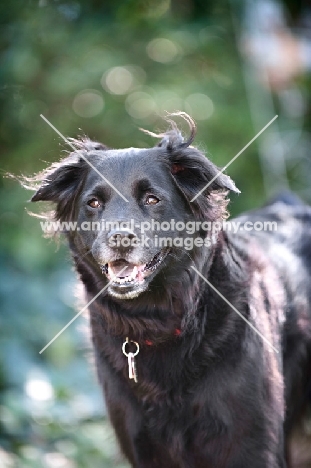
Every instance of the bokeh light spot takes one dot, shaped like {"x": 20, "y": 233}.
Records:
{"x": 162, "y": 50}
{"x": 199, "y": 106}
{"x": 39, "y": 389}
{"x": 57, "y": 460}
{"x": 88, "y": 103}
{"x": 140, "y": 105}
{"x": 123, "y": 80}
{"x": 119, "y": 80}
{"x": 168, "y": 101}
{"x": 157, "y": 9}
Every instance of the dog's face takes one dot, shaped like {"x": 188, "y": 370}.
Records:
{"x": 127, "y": 246}
{"x": 127, "y": 204}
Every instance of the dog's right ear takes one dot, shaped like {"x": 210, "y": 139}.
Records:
{"x": 61, "y": 183}
{"x": 58, "y": 182}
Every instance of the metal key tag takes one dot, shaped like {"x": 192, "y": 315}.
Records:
{"x": 131, "y": 359}
{"x": 132, "y": 366}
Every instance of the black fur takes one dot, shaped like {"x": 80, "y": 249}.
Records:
{"x": 210, "y": 392}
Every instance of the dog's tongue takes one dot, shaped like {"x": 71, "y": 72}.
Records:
{"x": 121, "y": 268}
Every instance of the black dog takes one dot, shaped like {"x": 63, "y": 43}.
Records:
{"x": 203, "y": 346}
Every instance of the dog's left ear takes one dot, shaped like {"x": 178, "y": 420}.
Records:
{"x": 200, "y": 181}
{"x": 194, "y": 172}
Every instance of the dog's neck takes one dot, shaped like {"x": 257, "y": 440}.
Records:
{"x": 155, "y": 316}
{"x": 153, "y": 326}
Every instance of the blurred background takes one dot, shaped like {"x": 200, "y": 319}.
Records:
{"x": 104, "y": 69}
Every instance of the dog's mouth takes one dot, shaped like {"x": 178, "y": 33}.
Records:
{"x": 129, "y": 279}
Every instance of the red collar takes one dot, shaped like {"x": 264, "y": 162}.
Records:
{"x": 177, "y": 332}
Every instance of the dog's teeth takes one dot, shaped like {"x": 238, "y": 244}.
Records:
{"x": 127, "y": 279}
{"x": 132, "y": 277}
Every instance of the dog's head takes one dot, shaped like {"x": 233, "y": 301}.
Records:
{"x": 138, "y": 211}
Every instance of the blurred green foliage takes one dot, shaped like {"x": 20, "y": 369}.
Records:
{"x": 103, "y": 69}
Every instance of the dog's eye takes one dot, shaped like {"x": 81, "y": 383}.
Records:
{"x": 93, "y": 203}
{"x": 151, "y": 200}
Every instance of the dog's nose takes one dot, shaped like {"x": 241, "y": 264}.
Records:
{"x": 121, "y": 238}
